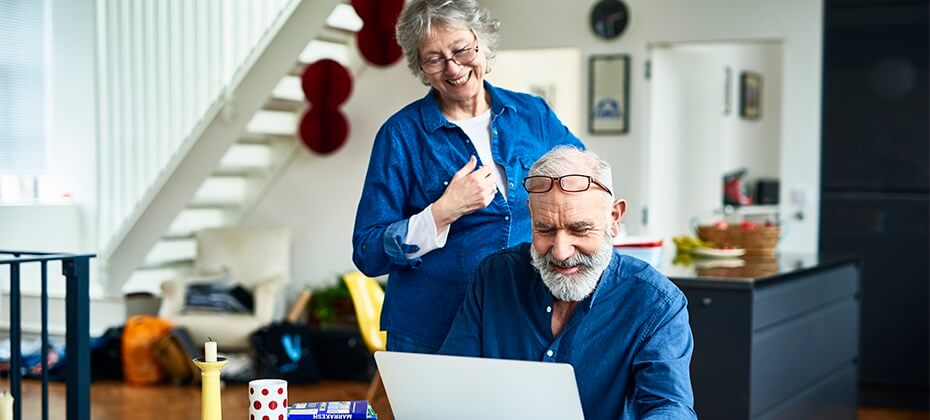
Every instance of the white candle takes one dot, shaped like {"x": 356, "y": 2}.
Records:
{"x": 6, "y": 406}
{"x": 209, "y": 350}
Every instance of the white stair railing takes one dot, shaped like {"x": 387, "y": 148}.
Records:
{"x": 165, "y": 67}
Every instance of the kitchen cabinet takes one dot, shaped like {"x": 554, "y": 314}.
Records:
{"x": 876, "y": 98}
{"x": 777, "y": 338}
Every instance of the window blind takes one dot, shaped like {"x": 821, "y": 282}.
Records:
{"x": 22, "y": 91}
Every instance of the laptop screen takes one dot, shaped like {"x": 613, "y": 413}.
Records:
{"x": 429, "y": 387}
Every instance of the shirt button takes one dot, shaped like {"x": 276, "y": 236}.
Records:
{"x": 511, "y": 184}
{"x": 549, "y": 353}
{"x": 506, "y": 217}
{"x": 445, "y": 182}
{"x": 494, "y": 132}
{"x": 548, "y": 309}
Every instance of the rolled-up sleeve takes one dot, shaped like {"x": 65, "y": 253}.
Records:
{"x": 380, "y": 222}
{"x": 661, "y": 366}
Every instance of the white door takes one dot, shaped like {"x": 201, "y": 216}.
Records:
{"x": 686, "y": 118}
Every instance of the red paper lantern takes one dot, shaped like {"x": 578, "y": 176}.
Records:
{"x": 326, "y": 84}
{"x": 381, "y": 14}
{"x": 324, "y": 130}
{"x": 378, "y": 46}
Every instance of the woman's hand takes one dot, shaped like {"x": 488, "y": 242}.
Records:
{"x": 469, "y": 190}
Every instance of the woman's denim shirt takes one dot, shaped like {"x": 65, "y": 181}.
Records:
{"x": 414, "y": 156}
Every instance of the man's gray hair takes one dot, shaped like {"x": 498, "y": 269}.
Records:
{"x": 564, "y": 160}
{"x": 421, "y": 17}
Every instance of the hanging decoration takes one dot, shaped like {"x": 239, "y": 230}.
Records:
{"x": 326, "y": 85}
{"x": 376, "y": 40}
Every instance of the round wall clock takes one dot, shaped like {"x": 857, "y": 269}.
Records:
{"x": 609, "y": 18}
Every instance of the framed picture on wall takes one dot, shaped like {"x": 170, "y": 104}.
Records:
{"x": 609, "y": 94}
{"x": 750, "y": 95}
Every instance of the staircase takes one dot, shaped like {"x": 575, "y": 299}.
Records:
{"x": 237, "y": 157}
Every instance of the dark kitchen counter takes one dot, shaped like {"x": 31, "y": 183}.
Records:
{"x": 754, "y": 271}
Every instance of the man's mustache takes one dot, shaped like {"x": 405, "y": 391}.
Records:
{"x": 577, "y": 259}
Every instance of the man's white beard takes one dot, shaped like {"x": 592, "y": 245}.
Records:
{"x": 573, "y": 287}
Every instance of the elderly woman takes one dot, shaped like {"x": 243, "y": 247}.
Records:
{"x": 443, "y": 188}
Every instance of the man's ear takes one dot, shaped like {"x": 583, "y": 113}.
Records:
{"x": 616, "y": 216}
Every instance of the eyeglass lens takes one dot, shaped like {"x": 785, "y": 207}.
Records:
{"x": 462, "y": 57}
{"x": 568, "y": 183}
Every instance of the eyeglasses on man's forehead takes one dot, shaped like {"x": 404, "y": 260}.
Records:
{"x": 568, "y": 183}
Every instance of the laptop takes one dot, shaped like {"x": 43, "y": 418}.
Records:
{"x": 430, "y": 387}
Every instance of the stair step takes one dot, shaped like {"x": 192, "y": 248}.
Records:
{"x": 228, "y": 207}
{"x": 289, "y": 87}
{"x": 273, "y": 122}
{"x": 171, "y": 251}
{"x": 256, "y": 156}
{"x": 262, "y": 138}
{"x": 222, "y": 190}
{"x": 241, "y": 171}
{"x": 190, "y": 220}
{"x": 336, "y": 36}
{"x": 319, "y": 49}
{"x": 286, "y": 105}
{"x": 178, "y": 235}
{"x": 343, "y": 17}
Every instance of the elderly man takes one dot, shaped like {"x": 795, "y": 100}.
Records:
{"x": 568, "y": 297}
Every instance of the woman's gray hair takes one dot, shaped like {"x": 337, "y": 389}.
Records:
{"x": 421, "y": 17}
{"x": 564, "y": 160}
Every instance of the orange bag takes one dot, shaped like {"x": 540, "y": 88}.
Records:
{"x": 140, "y": 367}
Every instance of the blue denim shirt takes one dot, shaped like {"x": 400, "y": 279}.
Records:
{"x": 629, "y": 342}
{"x": 414, "y": 156}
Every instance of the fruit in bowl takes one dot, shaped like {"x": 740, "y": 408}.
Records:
{"x": 686, "y": 243}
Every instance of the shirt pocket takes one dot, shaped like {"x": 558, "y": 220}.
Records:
{"x": 431, "y": 187}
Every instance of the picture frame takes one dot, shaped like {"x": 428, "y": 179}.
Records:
{"x": 609, "y": 94}
{"x": 750, "y": 95}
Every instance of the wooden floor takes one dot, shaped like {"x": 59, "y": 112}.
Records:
{"x": 115, "y": 400}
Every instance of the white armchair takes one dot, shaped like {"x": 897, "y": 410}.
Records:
{"x": 256, "y": 258}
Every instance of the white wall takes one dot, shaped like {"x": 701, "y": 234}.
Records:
{"x": 70, "y": 148}
{"x": 71, "y": 142}
{"x": 555, "y": 71}
{"x": 754, "y": 144}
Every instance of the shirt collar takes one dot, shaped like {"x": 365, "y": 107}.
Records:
{"x": 432, "y": 116}
{"x": 609, "y": 279}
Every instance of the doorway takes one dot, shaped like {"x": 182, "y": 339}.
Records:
{"x": 701, "y": 129}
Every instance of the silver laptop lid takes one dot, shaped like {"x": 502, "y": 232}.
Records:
{"x": 430, "y": 387}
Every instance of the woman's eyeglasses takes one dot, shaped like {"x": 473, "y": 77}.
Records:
{"x": 461, "y": 57}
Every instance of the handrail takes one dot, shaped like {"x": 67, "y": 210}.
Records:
{"x": 76, "y": 269}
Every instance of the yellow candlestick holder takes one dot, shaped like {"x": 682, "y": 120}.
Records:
{"x": 211, "y": 403}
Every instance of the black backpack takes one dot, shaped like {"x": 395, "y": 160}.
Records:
{"x": 284, "y": 351}
{"x": 106, "y": 355}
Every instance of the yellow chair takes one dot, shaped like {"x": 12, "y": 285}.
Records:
{"x": 367, "y": 296}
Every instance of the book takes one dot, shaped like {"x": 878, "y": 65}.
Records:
{"x": 350, "y": 410}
